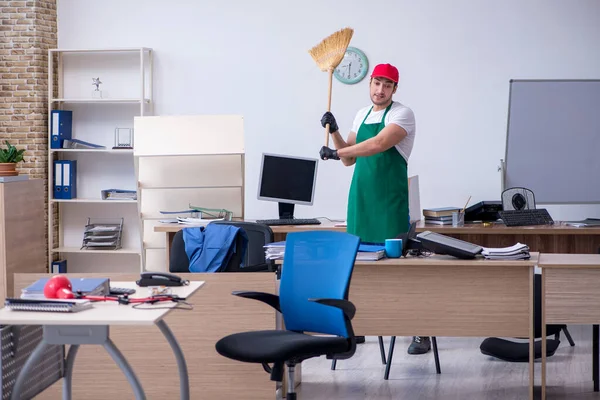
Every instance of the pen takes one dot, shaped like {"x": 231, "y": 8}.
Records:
{"x": 469, "y": 199}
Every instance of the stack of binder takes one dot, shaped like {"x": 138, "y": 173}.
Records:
{"x": 517, "y": 252}
{"x": 65, "y": 179}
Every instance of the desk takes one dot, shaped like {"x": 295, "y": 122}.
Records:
{"x": 570, "y": 295}
{"x": 279, "y": 232}
{"x": 216, "y": 314}
{"x": 445, "y": 296}
{"x": 23, "y": 241}
{"x": 558, "y": 238}
{"x": 92, "y": 327}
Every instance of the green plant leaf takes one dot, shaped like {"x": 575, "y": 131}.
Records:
{"x": 11, "y": 154}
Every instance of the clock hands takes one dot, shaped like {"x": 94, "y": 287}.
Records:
{"x": 349, "y": 67}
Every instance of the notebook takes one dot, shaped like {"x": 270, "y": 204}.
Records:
{"x": 88, "y": 286}
{"x": 54, "y": 305}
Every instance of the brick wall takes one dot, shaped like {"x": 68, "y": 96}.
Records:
{"x": 27, "y": 30}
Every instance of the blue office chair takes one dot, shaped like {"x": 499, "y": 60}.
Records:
{"x": 315, "y": 280}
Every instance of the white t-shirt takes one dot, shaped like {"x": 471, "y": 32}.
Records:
{"x": 400, "y": 115}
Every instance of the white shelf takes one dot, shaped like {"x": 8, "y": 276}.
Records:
{"x": 112, "y": 151}
{"x": 93, "y": 201}
{"x": 100, "y": 101}
{"x": 99, "y": 251}
{"x": 126, "y": 94}
{"x": 124, "y": 49}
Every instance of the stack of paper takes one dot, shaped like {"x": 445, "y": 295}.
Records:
{"x": 584, "y": 223}
{"x": 197, "y": 221}
{"x": 517, "y": 252}
{"x": 276, "y": 250}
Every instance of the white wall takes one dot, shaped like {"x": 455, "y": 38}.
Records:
{"x": 455, "y": 60}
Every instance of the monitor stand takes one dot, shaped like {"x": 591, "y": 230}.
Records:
{"x": 286, "y": 210}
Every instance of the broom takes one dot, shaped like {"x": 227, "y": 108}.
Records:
{"x": 328, "y": 54}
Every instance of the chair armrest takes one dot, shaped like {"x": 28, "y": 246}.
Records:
{"x": 346, "y": 306}
{"x": 267, "y": 298}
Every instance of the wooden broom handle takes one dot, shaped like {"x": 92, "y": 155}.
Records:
{"x": 328, "y": 106}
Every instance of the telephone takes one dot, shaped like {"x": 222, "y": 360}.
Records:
{"x": 160, "y": 279}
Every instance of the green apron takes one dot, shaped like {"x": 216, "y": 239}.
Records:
{"x": 378, "y": 199}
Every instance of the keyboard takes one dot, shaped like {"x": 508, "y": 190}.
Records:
{"x": 537, "y": 216}
{"x": 291, "y": 221}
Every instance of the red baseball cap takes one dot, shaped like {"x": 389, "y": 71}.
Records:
{"x": 387, "y": 71}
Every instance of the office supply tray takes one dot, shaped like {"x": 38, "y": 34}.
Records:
{"x": 17, "y": 342}
{"x": 102, "y": 234}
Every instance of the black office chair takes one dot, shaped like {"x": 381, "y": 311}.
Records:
{"x": 407, "y": 245}
{"x": 388, "y": 361}
{"x": 388, "y": 364}
{"x": 508, "y": 350}
{"x": 258, "y": 236}
{"x": 313, "y": 298}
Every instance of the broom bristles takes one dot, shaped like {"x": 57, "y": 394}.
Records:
{"x": 330, "y": 52}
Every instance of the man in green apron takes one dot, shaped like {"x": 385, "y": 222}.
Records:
{"x": 379, "y": 145}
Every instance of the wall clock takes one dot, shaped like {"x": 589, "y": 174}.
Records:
{"x": 353, "y": 68}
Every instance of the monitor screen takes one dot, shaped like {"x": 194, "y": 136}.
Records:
{"x": 287, "y": 179}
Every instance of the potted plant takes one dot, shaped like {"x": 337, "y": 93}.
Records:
{"x": 9, "y": 158}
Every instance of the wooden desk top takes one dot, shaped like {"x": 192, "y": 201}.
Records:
{"x": 102, "y": 313}
{"x": 548, "y": 260}
{"x": 446, "y": 261}
{"x": 558, "y": 228}
{"x": 326, "y": 225}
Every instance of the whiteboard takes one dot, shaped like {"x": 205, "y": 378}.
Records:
{"x": 553, "y": 140}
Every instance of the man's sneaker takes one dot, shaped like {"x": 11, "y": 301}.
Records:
{"x": 359, "y": 339}
{"x": 419, "y": 345}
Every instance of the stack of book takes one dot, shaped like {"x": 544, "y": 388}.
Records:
{"x": 276, "y": 250}
{"x": 439, "y": 216}
{"x": 517, "y": 252}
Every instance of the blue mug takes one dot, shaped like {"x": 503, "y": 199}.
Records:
{"x": 393, "y": 248}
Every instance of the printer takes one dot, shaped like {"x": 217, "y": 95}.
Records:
{"x": 485, "y": 211}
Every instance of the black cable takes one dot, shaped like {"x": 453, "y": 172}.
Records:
{"x": 150, "y": 305}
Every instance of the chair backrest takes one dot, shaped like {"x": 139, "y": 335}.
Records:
{"x": 178, "y": 259}
{"x": 316, "y": 264}
{"x": 258, "y": 236}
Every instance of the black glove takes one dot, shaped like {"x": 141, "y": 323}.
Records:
{"x": 328, "y": 118}
{"x": 328, "y": 154}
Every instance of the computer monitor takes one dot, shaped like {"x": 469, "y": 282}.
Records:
{"x": 287, "y": 180}
{"x": 442, "y": 244}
